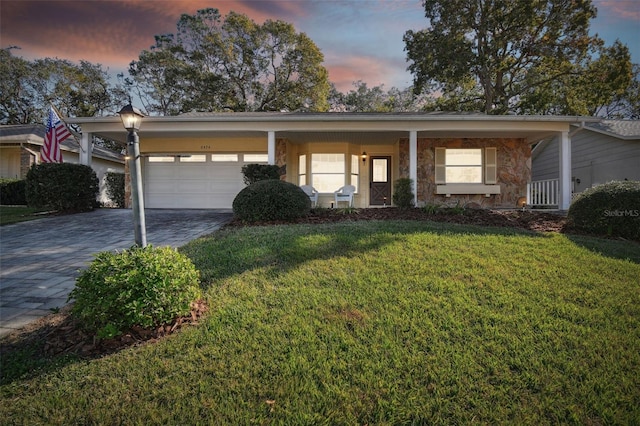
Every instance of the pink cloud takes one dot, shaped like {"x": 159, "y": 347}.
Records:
{"x": 111, "y": 33}
{"x": 625, "y": 9}
{"x": 344, "y": 72}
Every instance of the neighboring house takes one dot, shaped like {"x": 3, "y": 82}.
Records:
{"x": 600, "y": 152}
{"x": 195, "y": 160}
{"x": 20, "y": 149}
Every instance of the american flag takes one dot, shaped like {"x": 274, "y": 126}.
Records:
{"x": 57, "y": 132}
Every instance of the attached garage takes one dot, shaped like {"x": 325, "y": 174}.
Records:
{"x": 195, "y": 181}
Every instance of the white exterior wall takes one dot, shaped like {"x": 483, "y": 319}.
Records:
{"x": 101, "y": 167}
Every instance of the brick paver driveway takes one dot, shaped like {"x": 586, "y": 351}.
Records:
{"x": 39, "y": 260}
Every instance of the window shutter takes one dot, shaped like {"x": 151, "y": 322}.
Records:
{"x": 441, "y": 169}
{"x": 490, "y": 166}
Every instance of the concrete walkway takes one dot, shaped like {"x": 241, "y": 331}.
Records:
{"x": 40, "y": 259}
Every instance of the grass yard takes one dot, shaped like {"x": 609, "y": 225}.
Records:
{"x": 385, "y": 323}
{"x": 15, "y": 214}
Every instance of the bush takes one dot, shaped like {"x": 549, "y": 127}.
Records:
{"x": 256, "y": 172}
{"x": 271, "y": 200}
{"x": 13, "y": 192}
{"x": 144, "y": 287}
{"x": 611, "y": 209}
{"x": 403, "y": 196}
{"x": 62, "y": 187}
{"x": 115, "y": 188}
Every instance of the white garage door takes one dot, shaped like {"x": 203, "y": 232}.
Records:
{"x": 195, "y": 181}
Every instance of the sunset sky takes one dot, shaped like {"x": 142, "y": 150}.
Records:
{"x": 360, "y": 39}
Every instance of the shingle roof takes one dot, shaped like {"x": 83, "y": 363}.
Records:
{"x": 69, "y": 144}
{"x": 624, "y": 129}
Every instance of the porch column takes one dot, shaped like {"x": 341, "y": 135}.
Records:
{"x": 565, "y": 171}
{"x": 271, "y": 147}
{"x": 86, "y": 146}
{"x": 413, "y": 163}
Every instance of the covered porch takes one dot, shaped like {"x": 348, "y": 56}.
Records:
{"x": 328, "y": 149}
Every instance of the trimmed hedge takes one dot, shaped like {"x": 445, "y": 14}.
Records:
{"x": 271, "y": 200}
{"x": 256, "y": 172}
{"x": 609, "y": 209}
{"x": 115, "y": 188}
{"x": 13, "y": 192}
{"x": 63, "y": 187}
{"x": 144, "y": 287}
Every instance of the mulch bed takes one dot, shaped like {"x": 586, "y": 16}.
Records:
{"x": 58, "y": 334}
{"x": 531, "y": 220}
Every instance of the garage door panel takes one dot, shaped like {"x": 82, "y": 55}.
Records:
{"x": 192, "y": 185}
{"x": 160, "y": 186}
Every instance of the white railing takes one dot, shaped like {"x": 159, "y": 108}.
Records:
{"x": 543, "y": 193}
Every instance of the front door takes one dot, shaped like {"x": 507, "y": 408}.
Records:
{"x": 380, "y": 185}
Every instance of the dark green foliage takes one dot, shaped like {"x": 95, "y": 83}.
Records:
{"x": 611, "y": 209}
{"x": 256, "y": 172}
{"x": 403, "y": 196}
{"x": 146, "y": 287}
{"x": 271, "y": 200}
{"x": 115, "y": 188}
{"x": 12, "y": 192}
{"x": 63, "y": 187}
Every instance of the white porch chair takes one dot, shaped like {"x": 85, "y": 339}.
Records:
{"x": 345, "y": 194}
{"x": 312, "y": 193}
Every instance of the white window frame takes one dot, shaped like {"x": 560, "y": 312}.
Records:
{"x": 355, "y": 171}
{"x": 488, "y": 186}
{"x": 314, "y": 176}
{"x": 256, "y": 158}
{"x": 302, "y": 169}
{"x": 192, "y": 158}
{"x": 224, "y": 158}
{"x": 159, "y": 158}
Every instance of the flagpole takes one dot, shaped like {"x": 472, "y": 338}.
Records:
{"x": 65, "y": 123}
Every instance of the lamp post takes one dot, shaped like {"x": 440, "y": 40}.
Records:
{"x": 131, "y": 119}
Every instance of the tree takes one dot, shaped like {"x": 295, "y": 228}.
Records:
{"x": 214, "y": 64}
{"x": 28, "y": 88}
{"x": 16, "y": 103}
{"x": 499, "y": 45}
{"x": 626, "y": 105}
{"x": 589, "y": 87}
{"x": 375, "y": 99}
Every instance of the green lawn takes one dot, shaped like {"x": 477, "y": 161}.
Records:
{"x": 374, "y": 323}
{"x": 14, "y": 214}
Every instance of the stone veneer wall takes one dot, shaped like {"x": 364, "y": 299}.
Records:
{"x": 128, "y": 203}
{"x": 26, "y": 161}
{"x": 514, "y": 170}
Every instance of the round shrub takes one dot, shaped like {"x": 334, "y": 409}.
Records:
{"x": 144, "y": 287}
{"x": 271, "y": 200}
{"x": 63, "y": 187}
{"x": 611, "y": 209}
